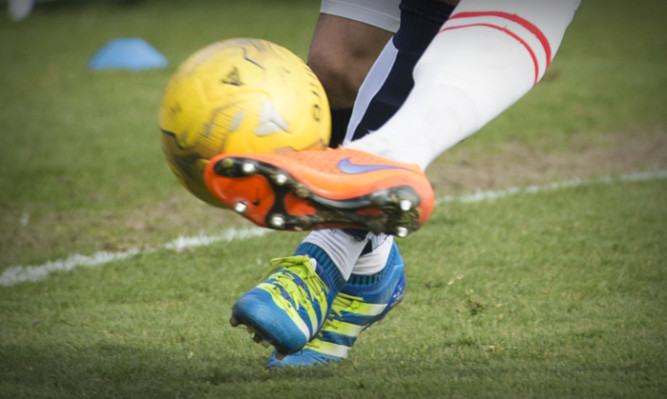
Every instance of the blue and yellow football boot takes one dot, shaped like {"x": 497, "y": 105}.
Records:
{"x": 288, "y": 308}
{"x": 360, "y": 303}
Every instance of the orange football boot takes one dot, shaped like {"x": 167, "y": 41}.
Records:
{"x": 308, "y": 190}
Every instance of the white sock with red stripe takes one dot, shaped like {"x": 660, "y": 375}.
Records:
{"x": 486, "y": 57}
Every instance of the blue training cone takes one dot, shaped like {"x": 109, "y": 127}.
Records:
{"x": 127, "y": 53}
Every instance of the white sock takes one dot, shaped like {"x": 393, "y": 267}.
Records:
{"x": 486, "y": 57}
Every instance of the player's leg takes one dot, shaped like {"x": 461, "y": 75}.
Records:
{"x": 348, "y": 37}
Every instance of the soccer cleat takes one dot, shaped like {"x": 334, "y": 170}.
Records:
{"x": 354, "y": 309}
{"x": 288, "y": 308}
{"x": 307, "y": 190}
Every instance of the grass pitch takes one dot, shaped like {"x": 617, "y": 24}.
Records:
{"x": 555, "y": 294}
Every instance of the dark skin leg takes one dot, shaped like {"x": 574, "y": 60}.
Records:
{"x": 342, "y": 52}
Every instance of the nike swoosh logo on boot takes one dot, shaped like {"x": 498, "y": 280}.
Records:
{"x": 346, "y": 166}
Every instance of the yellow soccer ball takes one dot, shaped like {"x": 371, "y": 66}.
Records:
{"x": 239, "y": 96}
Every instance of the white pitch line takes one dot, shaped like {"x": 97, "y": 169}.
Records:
{"x": 479, "y": 196}
{"x": 19, "y": 274}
